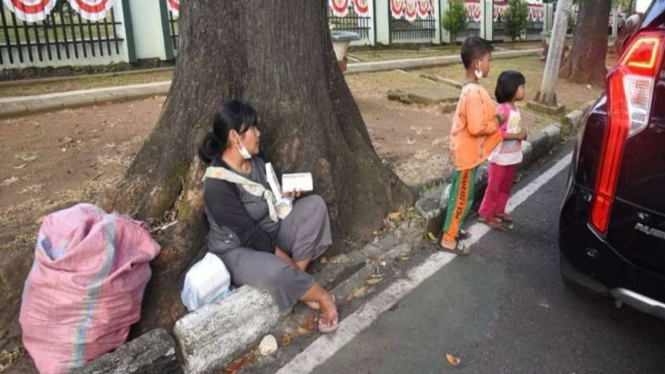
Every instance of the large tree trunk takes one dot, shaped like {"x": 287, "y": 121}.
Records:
{"x": 278, "y": 56}
{"x": 586, "y": 61}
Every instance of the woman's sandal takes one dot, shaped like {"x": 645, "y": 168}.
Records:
{"x": 460, "y": 249}
{"x": 506, "y": 221}
{"x": 315, "y": 304}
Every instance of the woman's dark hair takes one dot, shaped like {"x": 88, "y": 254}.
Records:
{"x": 507, "y": 85}
{"x": 474, "y": 48}
{"x": 231, "y": 115}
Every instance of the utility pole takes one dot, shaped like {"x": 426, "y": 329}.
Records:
{"x": 547, "y": 93}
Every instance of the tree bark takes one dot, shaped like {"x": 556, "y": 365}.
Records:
{"x": 278, "y": 56}
{"x": 586, "y": 61}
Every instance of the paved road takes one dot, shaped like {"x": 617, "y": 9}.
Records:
{"x": 504, "y": 310}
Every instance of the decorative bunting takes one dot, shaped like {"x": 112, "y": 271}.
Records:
{"x": 411, "y": 10}
{"x": 174, "y": 7}
{"x": 30, "y": 10}
{"x": 397, "y": 8}
{"x": 340, "y": 8}
{"x": 92, "y": 10}
{"x": 362, "y": 7}
{"x": 425, "y": 8}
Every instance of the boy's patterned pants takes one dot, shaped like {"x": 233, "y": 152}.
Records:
{"x": 460, "y": 201}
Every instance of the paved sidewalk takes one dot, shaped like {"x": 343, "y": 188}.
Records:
{"x": 22, "y": 105}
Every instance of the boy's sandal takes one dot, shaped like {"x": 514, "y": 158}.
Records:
{"x": 463, "y": 234}
{"x": 493, "y": 223}
{"x": 460, "y": 249}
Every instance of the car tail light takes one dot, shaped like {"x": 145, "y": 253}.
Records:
{"x": 630, "y": 93}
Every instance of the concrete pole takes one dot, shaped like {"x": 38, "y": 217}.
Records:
{"x": 547, "y": 94}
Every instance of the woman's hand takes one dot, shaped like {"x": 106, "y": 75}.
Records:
{"x": 295, "y": 194}
{"x": 523, "y": 134}
{"x": 284, "y": 257}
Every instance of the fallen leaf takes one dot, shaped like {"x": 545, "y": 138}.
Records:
{"x": 310, "y": 322}
{"x": 374, "y": 281}
{"x": 431, "y": 236}
{"x": 394, "y": 216}
{"x": 286, "y": 340}
{"x": 404, "y": 257}
{"x": 323, "y": 260}
{"x": 349, "y": 298}
{"x": 19, "y": 167}
{"x": 360, "y": 292}
{"x": 239, "y": 364}
{"x": 303, "y": 331}
{"x": 452, "y": 360}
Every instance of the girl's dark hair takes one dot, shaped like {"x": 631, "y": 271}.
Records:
{"x": 231, "y": 115}
{"x": 507, "y": 85}
{"x": 474, "y": 48}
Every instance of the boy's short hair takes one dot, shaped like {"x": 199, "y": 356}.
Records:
{"x": 507, "y": 84}
{"x": 474, "y": 48}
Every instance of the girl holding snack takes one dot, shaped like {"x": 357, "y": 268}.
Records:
{"x": 262, "y": 242}
{"x": 506, "y": 157}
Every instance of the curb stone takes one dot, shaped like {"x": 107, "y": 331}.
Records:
{"x": 433, "y": 206}
{"x": 151, "y": 353}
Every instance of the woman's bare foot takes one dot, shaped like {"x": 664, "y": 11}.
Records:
{"x": 313, "y": 305}
{"x": 329, "y": 316}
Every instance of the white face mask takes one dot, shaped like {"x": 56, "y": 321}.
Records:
{"x": 479, "y": 72}
{"x": 243, "y": 150}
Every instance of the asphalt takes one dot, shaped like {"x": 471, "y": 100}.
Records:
{"x": 504, "y": 309}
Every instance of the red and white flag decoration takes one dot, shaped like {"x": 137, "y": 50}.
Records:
{"x": 473, "y": 8}
{"x": 425, "y": 8}
{"x": 30, "y": 10}
{"x": 340, "y": 8}
{"x": 174, "y": 7}
{"x": 363, "y": 7}
{"x": 92, "y": 10}
{"x": 411, "y": 10}
{"x": 397, "y": 8}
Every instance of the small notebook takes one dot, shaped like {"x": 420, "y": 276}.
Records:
{"x": 297, "y": 182}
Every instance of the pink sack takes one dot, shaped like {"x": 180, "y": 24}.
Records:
{"x": 85, "y": 288}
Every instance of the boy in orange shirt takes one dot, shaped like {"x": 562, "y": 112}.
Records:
{"x": 474, "y": 135}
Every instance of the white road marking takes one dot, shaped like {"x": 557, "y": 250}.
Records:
{"x": 327, "y": 345}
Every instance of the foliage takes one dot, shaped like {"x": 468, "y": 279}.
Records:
{"x": 454, "y": 19}
{"x": 516, "y": 18}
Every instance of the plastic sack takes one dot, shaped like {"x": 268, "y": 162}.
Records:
{"x": 208, "y": 281}
{"x": 85, "y": 288}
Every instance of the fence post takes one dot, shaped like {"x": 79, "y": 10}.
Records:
{"x": 124, "y": 13}
{"x": 615, "y": 21}
{"x": 437, "y": 16}
{"x": 382, "y": 21}
{"x": 445, "y": 35}
{"x": 488, "y": 19}
{"x": 150, "y": 31}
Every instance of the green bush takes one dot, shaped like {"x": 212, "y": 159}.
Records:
{"x": 454, "y": 19}
{"x": 516, "y": 18}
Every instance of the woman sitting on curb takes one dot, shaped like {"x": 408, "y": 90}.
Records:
{"x": 258, "y": 247}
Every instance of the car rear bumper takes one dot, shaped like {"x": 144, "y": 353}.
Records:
{"x": 588, "y": 260}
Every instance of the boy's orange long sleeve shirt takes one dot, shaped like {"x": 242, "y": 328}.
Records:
{"x": 475, "y": 131}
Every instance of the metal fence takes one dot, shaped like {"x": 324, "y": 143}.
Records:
{"x": 418, "y": 29}
{"x": 534, "y": 28}
{"x": 174, "y": 28}
{"x": 352, "y": 22}
{"x": 472, "y": 29}
{"x": 62, "y": 35}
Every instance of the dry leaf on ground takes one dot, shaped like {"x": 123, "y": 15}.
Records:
{"x": 374, "y": 281}
{"x": 431, "y": 236}
{"x": 286, "y": 340}
{"x": 303, "y": 331}
{"x": 360, "y": 292}
{"x": 452, "y": 360}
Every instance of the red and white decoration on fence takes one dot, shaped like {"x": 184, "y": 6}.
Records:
{"x": 473, "y": 8}
{"x": 411, "y": 9}
{"x": 536, "y": 10}
{"x": 30, "y": 10}
{"x": 93, "y": 10}
{"x": 38, "y": 10}
{"x": 174, "y": 7}
{"x": 340, "y": 8}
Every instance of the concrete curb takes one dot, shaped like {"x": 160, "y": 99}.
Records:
{"x": 20, "y": 106}
{"x": 367, "y": 67}
{"x": 23, "y": 105}
{"x": 433, "y": 206}
{"x": 36, "y": 81}
{"x": 213, "y": 336}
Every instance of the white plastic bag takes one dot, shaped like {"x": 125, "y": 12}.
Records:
{"x": 206, "y": 282}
